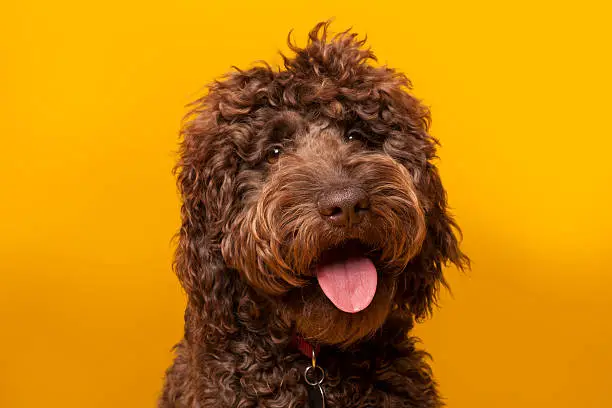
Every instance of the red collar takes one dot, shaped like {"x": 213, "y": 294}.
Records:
{"x": 304, "y": 346}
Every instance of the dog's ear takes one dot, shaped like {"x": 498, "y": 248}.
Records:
{"x": 408, "y": 120}
{"x": 206, "y": 174}
{"x": 424, "y": 275}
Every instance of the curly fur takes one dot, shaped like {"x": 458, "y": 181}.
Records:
{"x": 251, "y": 234}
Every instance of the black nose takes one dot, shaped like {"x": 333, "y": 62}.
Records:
{"x": 344, "y": 206}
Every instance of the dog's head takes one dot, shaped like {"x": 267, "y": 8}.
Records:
{"x": 314, "y": 186}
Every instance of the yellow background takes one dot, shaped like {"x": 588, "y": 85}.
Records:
{"x": 91, "y": 95}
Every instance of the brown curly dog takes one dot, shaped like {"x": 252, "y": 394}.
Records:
{"x": 314, "y": 231}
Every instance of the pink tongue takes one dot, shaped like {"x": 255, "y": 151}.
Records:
{"x": 350, "y": 284}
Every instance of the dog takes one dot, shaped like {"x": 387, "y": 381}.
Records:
{"x": 314, "y": 234}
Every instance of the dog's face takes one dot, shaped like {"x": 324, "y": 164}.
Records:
{"x": 315, "y": 186}
{"x": 328, "y": 219}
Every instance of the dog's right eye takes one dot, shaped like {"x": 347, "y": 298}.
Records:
{"x": 273, "y": 154}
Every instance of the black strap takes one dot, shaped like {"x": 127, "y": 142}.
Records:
{"x": 316, "y": 397}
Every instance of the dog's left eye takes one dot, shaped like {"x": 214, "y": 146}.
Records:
{"x": 355, "y": 135}
{"x": 273, "y": 154}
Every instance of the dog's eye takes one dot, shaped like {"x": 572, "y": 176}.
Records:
{"x": 355, "y": 135}
{"x": 273, "y": 154}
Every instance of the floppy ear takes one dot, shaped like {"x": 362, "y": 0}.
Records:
{"x": 205, "y": 179}
{"x": 206, "y": 174}
{"x": 407, "y": 123}
{"x": 424, "y": 276}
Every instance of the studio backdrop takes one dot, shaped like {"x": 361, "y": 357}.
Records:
{"x": 91, "y": 101}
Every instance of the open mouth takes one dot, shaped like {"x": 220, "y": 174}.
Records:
{"x": 347, "y": 276}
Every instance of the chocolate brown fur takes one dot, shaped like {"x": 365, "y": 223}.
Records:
{"x": 251, "y": 233}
